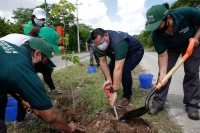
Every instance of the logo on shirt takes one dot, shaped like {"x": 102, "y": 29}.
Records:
{"x": 150, "y": 18}
{"x": 184, "y": 30}
{"x": 7, "y": 48}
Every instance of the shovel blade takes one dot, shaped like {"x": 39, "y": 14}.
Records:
{"x": 134, "y": 113}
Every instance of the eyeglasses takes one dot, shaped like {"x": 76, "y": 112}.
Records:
{"x": 103, "y": 40}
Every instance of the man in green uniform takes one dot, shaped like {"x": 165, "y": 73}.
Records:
{"x": 171, "y": 32}
{"x": 89, "y": 47}
{"x": 17, "y": 75}
{"x": 49, "y": 35}
{"x": 125, "y": 53}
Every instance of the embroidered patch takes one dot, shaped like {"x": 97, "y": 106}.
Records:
{"x": 184, "y": 30}
{"x": 150, "y": 18}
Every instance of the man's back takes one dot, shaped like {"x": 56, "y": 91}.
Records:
{"x": 17, "y": 75}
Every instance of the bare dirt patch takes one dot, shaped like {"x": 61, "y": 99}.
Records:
{"x": 105, "y": 122}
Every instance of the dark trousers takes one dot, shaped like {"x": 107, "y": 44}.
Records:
{"x": 190, "y": 83}
{"x": 3, "y": 128}
{"x": 3, "y": 103}
{"x": 21, "y": 111}
{"x": 46, "y": 72}
{"x": 93, "y": 53}
{"x": 47, "y": 77}
{"x": 130, "y": 63}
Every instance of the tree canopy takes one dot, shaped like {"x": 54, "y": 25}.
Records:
{"x": 60, "y": 14}
{"x": 7, "y": 27}
{"x": 181, "y": 3}
{"x": 22, "y": 15}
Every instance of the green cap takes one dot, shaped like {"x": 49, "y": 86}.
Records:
{"x": 51, "y": 36}
{"x": 155, "y": 15}
{"x": 43, "y": 46}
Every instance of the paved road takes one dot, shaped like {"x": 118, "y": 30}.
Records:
{"x": 62, "y": 63}
{"x": 175, "y": 95}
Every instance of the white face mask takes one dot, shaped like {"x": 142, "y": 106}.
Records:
{"x": 103, "y": 46}
{"x": 38, "y": 22}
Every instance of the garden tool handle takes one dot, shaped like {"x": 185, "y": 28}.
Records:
{"x": 24, "y": 103}
{"x": 28, "y": 107}
{"x": 108, "y": 92}
{"x": 20, "y": 100}
{"x": 184, "y": 58}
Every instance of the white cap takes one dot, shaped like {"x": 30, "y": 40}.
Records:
{"x": 39, "y": 13}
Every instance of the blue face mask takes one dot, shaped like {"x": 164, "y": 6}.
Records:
{"x": 38, "y": 22}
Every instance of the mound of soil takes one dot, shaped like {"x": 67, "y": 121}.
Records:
{"x": 107, "y": 123}
{"x": 103, "y": 122}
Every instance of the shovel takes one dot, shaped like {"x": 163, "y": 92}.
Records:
{"x": 108, "y": 92}
{"x": 141, "y": 111}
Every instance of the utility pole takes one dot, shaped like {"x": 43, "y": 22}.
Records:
{"x": 78, "y": 27}
{"x": 45, "y": 6}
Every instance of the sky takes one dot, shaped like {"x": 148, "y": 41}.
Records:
{"x": 120, "y": 15}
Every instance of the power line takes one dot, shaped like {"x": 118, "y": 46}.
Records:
{"x": 92, "y": 16}
{"x": 91, "y": 20}
{"x": 94, "y": 20}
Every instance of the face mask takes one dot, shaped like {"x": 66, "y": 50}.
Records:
{"x": 39, "y": 67}
{"x": 38, "y": 22}
{"x": 160, "y": 31}
{"x": 103, "y": 46}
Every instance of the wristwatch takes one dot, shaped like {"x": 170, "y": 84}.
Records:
{"x": 112, "y": 90}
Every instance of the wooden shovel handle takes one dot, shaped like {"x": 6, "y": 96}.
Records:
{"x": 28, "y": 107}
{"x": 24, "y": 103}
{"x": 184, "y": 58}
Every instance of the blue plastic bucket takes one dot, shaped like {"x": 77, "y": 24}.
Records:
{"x": 91, "y": 69}
{"x": 11, "y": 102}
{"x": 145, "y": 80}
{"x": 11, "y": 114}
{"x": 11, "y": 110}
